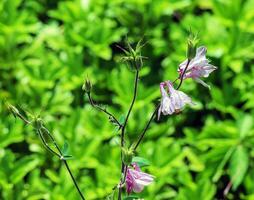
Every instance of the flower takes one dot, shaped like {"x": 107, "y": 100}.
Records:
{"x": 137, "y": 180}
{"x": 172, "y": 102}
{"x": 198, "y": 67}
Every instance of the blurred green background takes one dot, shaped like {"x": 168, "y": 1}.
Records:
{"x": 47, "y": 47}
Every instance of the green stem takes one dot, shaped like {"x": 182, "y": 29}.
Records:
{"x": 141, "y": 136}
{"x": 123, "y": 129}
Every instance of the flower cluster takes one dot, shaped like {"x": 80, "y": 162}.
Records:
{"x": 173, "y": 100}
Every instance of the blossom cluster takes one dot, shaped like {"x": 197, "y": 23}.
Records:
{"x": 172, "y": 102}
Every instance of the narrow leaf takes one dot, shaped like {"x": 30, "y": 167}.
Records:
{"x": 140, "y": 161}
{"x": 238, "y": 166}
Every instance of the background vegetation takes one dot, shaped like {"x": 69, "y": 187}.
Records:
{"x": 48, "y": 47}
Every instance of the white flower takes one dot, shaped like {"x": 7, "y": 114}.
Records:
{"x": 173, "y": 102}
{"x": 199, "y": 67}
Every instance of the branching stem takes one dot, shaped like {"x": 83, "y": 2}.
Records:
{"x": 40, "y": 131}
{"x": 111, "y": 116}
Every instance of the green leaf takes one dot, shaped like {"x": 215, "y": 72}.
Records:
{"x": 140, "y": 161}
{"x": 22, "y": 167}
{"x": 68, "y": 157}
{"x": 223, "y": 162}
{"x": 65, "y": 148}
{"x": 245, "y": 124}
{"x": 122, "y": 119}
{"x": 238, "y": 166}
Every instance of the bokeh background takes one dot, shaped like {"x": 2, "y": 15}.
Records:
{"x": 48, "y": 47}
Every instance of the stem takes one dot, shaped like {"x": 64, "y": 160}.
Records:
{"x": 226, "y": 190}
{"x": 182, "y": 76}
{"x": 23, "y": 118}
{"x": 59, "y": 155}
{"x": 141, "y": 136}
{"x": 47, "y": 146}
{"x": 124, "y": 171}
{"x": 123, "y": 130}
{"x": 131, "y": 106}
{"x": 73, "y": 179}
{"x": 104, "y": 110}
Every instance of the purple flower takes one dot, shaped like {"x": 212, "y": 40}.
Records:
{"x": 173, "y": 101}
{"x": 199, "y": 67}
{"x": 137, "y": 180}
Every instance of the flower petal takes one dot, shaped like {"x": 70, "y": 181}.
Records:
{"x": 202, "y": 83}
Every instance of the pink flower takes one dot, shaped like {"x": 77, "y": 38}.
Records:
{"x": 199, "y": 67}
{"x": 173, "y": 102}
{"x": 137, "y": 180}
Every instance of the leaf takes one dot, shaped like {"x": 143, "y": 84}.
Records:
{"x": 68, "y": 157}
{"x": 22, "y": 167}
{"x": 223, "y": 162}
{"x": 245, "y": 125}
{"x": 65, "y": 148}
{"x": 122, "y": 119}
{"x": 142, "y": 162}
{"x": 238, "y": 166}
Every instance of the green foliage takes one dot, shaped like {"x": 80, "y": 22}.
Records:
{"x": 48, "y": 48}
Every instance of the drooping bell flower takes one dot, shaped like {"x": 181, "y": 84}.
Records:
{"x": 198, "y": 67}
{"x": 173, "y": 101}
{"x": 137, "y": 180}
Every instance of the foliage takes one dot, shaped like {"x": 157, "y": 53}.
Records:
{"x": 47, "y": 48}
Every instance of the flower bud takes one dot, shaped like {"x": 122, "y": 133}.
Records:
{"x": 127, "y": 155}
{"x": 87, "y": 86}
{"x": 192, "y": 46}
{"x": 133, "y": 56}
{"x": 12, "y": 109}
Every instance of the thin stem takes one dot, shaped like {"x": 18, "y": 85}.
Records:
{"x": 23, "y": 118}
{"x": 111, "y": 116}
{"x": 227, "y": 189}
{"x": 124, "y": 126}
{"x": 59, "y": 155}
{"x": 141, "y": 136}
{"x": 182, "y": 76}
{"x": 125, "y": 173}
{"x": 131, "y": 106}
{"x": 73, "y": 179}
{"x": 124, "y": 168}
{"x": 46, "y": 145}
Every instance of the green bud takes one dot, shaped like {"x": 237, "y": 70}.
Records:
{"x": 12, "y": 109}
{"x": 87, "y": 86}
{"x": 127, "y": 155}
{"x": 133, "y": 56}
{"x": 192, "y": 46}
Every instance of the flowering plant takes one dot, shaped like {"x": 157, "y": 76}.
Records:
{"x": 173, "y": 101}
